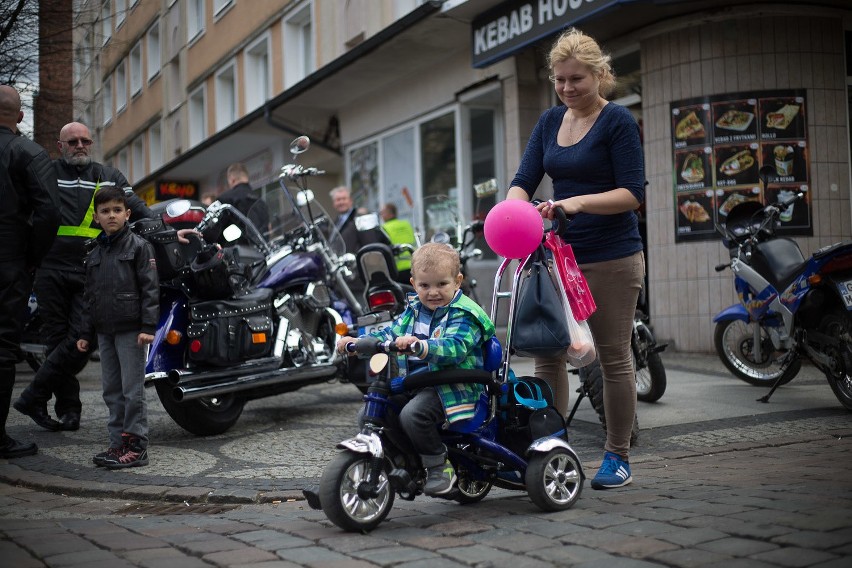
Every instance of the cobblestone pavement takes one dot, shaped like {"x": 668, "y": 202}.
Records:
{"x": 759, "y": 489}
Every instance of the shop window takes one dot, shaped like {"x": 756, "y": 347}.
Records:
{"x": 364, "y": 176}
{"x": 438, "y": 173}
{"x": 399, "y": 173}
{"x": 628, "y": 77}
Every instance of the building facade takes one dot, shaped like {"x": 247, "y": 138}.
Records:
{"x": 416, "y": 102}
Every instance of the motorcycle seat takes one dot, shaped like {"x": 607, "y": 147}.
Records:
{"x": 832, "y": 249}
{"x": 780, "y": 261}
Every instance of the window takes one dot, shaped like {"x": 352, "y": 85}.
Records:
{"x": 106, "y": 21}
{"x": 121, "y": 161}
{"x": 220, "y": 5}
{"x": 399, "y": 173}
{"x": 194, "y": 18}
{"x": 120, "y": 12}
{"x": 226, "y": 96}
{"x": 138, "y": 169}
{"x": 438, "y": 170}
{"x": 136, "y": 69}
{"x": 152, "y": 45}
{"x": 121, "y": 87}
{"x": 106, "y": 98}
{"x": 298, "y": 46}
{"x": 155, "y": 147}
{"x": 175, "y": 85}
{"x": 256, "y": 84}
{"x": 197, "y": 116}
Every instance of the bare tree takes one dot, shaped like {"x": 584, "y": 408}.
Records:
{"x": 19, "y": 43}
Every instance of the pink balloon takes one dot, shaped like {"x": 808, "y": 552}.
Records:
{"x": 513, "y": 228}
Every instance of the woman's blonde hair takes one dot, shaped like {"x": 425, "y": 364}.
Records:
{"x": 583, "y": 48}
{"x": 432, "y": 257}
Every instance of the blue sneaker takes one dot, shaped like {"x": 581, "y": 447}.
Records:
{"x": 614, "y": 472}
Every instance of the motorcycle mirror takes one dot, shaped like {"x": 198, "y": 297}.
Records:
{"x": 299, "y": 145}
{"x": 348, "y": 259}
{"x": 178, "y": 207}
{"x": 304, "y": 197}
{"x": 232, "y": 233}
{"x": 441, "y": 237}
{"x": 367, "y": 222}
{"x": 378, "y": 362}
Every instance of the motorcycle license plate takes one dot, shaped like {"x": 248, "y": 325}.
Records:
{"x": 845, "y": 289}
{"x": 378, "y": 326}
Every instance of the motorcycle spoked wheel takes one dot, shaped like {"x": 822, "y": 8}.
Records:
{"x": 649, "y": 370}
{"x": 591, "y": 380}
{"x": 734, "y": 342}
{"x": 207, "y": 416}
{"x": 341, "y": 500}
{"x": 839, "y": 324}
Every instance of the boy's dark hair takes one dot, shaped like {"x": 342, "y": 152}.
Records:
{"x": 110, "y": 193}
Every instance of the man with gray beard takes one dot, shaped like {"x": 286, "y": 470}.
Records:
{"x": 60, "y": 280}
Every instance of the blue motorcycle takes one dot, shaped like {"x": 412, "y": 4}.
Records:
{"x": 791, "y": 307}
{"x": 248, "y": 312}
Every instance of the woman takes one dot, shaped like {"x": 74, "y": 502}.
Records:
{"x": 592, "y": 151}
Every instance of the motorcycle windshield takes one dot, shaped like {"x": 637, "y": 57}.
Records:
{"x": 295, "y": 214}
{"x": 442, "y": 219}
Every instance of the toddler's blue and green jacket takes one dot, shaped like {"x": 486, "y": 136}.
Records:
{"x": 456, "y": 335}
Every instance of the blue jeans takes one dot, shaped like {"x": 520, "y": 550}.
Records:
{"x": 123, "y": 377}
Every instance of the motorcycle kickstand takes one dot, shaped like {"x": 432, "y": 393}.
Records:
{"x": 776, "y": 384}
{"x": 581, "y": 395}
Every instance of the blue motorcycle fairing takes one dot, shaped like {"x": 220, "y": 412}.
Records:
{"x": 163, "y": 356}
{"x": 295, "y": 269}
{"x": 734, "y": 312}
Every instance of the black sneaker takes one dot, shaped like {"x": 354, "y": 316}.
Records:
{"x": 440, "y": 480}
{"x": 134, "y": 455}
{"x": 110, "y": 455}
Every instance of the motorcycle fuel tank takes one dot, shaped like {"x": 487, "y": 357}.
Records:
{"x": 294, "y": 269}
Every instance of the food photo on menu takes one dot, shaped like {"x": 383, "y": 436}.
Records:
{"x": 689, "y": 124}
{"x": 695, "y": 211}
{"x": 692, "y": 169}
{"x": 797, "y": 214}
{"x": 735, "y": 121}
{"x": 728, "y": 199}
{"x": 789, "y": 160}
{"x": 736, "y": 165}
{"x": 782, "y": 117}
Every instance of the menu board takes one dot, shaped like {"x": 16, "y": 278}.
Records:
{"x": 721, "y": 142}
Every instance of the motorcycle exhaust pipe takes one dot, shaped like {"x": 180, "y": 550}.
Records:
{"x": 195, "y": 389}
{"x": 177, "y": 376}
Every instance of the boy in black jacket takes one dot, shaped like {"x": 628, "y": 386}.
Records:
{"x": 122, "y": 300}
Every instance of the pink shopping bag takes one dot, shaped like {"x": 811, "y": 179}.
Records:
{"x": 576, "y": 289}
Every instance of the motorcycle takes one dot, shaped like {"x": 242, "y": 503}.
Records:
{"x": 256, "y": 317}
{"x": 790, "y": 307}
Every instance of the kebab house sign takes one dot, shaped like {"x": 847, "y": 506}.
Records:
{"x": 721, "y": 142}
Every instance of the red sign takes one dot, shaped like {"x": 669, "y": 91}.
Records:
{"x": 176, "y": 189}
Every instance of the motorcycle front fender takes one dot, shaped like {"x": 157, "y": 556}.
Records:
{"x": 734, "y": 312}
{"x": 364, "y": 444}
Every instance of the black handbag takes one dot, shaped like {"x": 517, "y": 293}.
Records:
{"x": 539, "y": 328}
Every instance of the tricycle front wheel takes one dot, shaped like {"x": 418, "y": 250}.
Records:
{"x": 344, "y": 496}
{"x": 554, "y": 480}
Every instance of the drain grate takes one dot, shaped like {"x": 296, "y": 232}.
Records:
{"x": 174, "y": 509}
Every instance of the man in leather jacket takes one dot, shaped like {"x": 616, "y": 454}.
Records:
{"x": 59, "y": 283}
{"x": 29, "y": 216}
{"x": 240, "y": 195}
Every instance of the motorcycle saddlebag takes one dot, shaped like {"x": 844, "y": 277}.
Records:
{"x": 227, "y": 332}
{"x": 164, "y": 240}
